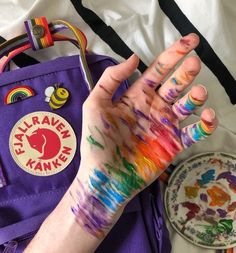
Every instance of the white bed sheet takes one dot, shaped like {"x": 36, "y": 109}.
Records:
{"x": 147, "y": 31}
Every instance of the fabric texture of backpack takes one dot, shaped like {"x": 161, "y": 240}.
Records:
{"x": 40, "y": 131}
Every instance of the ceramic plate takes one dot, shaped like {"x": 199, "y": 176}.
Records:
{"x": 200, "y": 200}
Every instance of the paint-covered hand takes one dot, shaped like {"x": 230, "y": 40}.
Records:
{"x": 127, "y": 144}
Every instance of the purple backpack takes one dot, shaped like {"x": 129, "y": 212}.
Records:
{"x": 40, "y": 131}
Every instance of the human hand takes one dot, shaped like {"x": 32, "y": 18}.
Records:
{"x": 127, "y": 144}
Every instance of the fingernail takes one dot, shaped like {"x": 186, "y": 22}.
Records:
{"x": 204, "y": 89}
{"x": 193, "y": 36}
{"x": 211, "y": 114}
{"x": 133, "y": 56}
{"x": 199, "y": 93}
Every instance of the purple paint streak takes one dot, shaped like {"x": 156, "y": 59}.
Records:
{"x": 167, "y": 122}
{"x": 90, "y": 212}
{"x": 140, "y": 114}
{"x": 221, "y": 212}
{"x": 187, "y": 141}
{"x": 182, "y": 110}
{"x": 228, "y": 176}
{"x": 139, "y": 137}
{"x": 105, "y": 123}
{"x": 210, "y": 211}
{"x": 171, "y": 95}
{"x": 124, "y": 122}
{"x": 204, "y": 197}
{"x": 150, "y": 83}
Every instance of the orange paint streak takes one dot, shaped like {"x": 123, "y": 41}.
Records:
{"x": 131, "y": 121}
{"x": 111, "y": 120}
{"x": 180, "y": 52}
{"x": 145, "y": 167}
{"x": 152, "y": 150}
{"x": 218, "y": 196}
{"x": 185, "y": 77}
{"x": 159, "y": 149}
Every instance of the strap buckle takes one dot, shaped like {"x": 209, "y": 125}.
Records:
{"x": 39, "y": 33}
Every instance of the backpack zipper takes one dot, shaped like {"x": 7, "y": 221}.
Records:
{"x": 11, "y": 246}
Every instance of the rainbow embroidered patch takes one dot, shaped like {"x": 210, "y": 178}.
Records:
{"x": 18, "y": 93}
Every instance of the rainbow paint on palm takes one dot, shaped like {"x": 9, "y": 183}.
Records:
{"x": 132, "y": 167}
{"x": 134, "y": 146}
{"x": 133, "y": 164}
{"x": 18, "y": 93}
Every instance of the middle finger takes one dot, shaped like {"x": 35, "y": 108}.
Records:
{"x": 180, "y": 79}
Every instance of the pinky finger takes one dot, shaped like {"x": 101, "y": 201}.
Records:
{"x": 201, "y": 130}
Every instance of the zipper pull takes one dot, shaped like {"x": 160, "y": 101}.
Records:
{"x": 10, "y": 247}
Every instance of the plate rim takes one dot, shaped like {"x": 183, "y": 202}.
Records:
{"x": 166, "y": 191}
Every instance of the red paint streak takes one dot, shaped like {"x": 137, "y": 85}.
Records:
{"x": 152, "y": 148}
{"x": 102, "y": 87}
{"x": 164, "y": 136}
{"x": 232, "y": 207}
{"x": 193, "y": 209}
{"x": 151, "y": 154}
{"x": 185, "y": 42}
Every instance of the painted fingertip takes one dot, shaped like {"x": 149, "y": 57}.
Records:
{"x": 209, "y": 115}
{"x": 199, "y": 92}
{"x": 194, "y": 37}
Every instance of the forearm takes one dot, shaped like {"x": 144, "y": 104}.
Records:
{"x": 60, "y": 232}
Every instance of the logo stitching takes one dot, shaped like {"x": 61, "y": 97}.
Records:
{"x": 42, "y": 143}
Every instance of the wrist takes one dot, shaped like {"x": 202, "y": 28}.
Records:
{"x": 91, "y": 206}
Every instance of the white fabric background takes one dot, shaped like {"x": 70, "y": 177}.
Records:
{"x": 147, "y": 31}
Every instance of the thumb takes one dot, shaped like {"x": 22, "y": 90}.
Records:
{"x": 113, "y": 76}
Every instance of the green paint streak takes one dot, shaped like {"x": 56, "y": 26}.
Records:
{"x": 126, "y": 181}
{"x": 100, "y": 132}
{"x": 118, "y": 152}
{"x": 212, "y": 231}
{"x": 201, "y": 130}
{"x": 226, "y": 224}
{"x": 117, "y": 182}
{"x": 92, "y": 141}
{"x": 123, "y": 175}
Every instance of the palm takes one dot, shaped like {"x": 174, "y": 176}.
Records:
{"x": 130, "y": 142}
{"x": 144, "y": 129}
